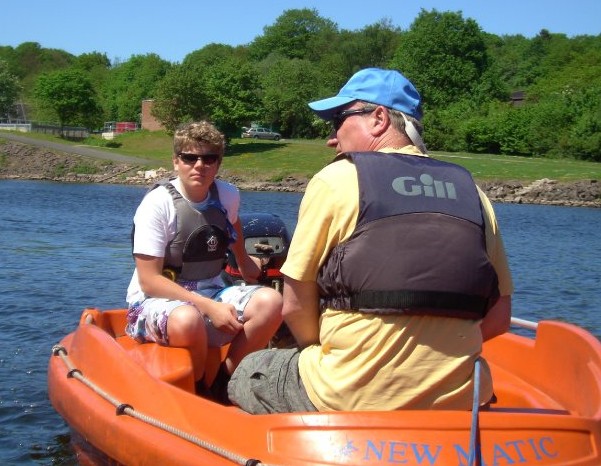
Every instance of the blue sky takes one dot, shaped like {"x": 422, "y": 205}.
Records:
{"x": 122, "y": 28}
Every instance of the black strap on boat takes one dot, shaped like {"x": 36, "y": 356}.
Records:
{"x": 58, "y": 349}
{"x": 121, "y": 409}
{"x": 72, "y": 373}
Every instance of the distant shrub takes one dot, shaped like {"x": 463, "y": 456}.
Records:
{"x": 101, "y": 142}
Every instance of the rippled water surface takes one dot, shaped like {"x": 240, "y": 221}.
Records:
{"x": 64, "y": 247}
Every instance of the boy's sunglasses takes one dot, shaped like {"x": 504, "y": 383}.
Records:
{"x": 191, "y": 159}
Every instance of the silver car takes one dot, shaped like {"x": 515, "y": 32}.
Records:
{"x": 260, "y": 133}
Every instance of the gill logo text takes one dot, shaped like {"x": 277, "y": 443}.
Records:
{"x": 427, "y": 186}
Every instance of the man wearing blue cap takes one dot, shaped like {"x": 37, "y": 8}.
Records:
{"x": 395, "y": 275}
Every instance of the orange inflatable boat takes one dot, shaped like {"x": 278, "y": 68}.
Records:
{"x": 136, "y": 405}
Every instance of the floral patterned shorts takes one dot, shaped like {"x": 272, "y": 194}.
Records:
{"x": 147, "y": 320}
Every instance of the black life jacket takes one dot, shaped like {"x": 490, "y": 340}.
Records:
{"x": 419, "y": 245}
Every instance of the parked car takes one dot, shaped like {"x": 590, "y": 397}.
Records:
{"x": 260, "y": 133}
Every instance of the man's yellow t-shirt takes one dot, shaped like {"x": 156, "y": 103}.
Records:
{"x": 382, "y": 362}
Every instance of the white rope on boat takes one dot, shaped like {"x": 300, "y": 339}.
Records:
{"x": 125, "y": 408}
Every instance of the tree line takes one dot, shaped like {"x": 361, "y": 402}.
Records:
{"x": 481, "y": 92}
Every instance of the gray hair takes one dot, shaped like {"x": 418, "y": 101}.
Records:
{"x": 404, "y": 124}
{"x": 397, "y": 119}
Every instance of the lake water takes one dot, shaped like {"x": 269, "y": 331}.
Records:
{"x": 64, "y": 247}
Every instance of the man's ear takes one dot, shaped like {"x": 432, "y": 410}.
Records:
{"x": 380, "y": 120}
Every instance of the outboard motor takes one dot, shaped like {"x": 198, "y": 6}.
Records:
{"x": 265, "y": 237}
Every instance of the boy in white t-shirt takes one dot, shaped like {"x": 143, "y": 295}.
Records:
{"x": 182, "y": 230}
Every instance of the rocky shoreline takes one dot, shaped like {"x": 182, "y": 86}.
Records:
{"x": 26, "y": 162}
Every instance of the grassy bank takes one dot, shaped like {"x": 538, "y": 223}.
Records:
{"x": 274, "y": 161}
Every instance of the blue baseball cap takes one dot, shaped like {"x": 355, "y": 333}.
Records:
{"x": 377, "y": 86}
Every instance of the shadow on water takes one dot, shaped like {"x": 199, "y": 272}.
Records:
{"x": 60, "y": 452}
{"x": 70, "y": 449}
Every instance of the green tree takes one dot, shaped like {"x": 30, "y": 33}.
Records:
{"x": 178, "y": 97}
{"x": 97, "y": 68}
{"x": 9, "y": 89}
{"x": 213, "y": 53}
{"x": 497, "y": 128}
{"x": 288, "y": 85}
{"x": 92, "y": 61}
{"x": 372, "y": 46}
{"x": 444, "y": 55}
{"x": 510, "y": 56}
{"x": 565, "y": 100}
{"x": 70, "y": 96}
{"x": 131, "y": 82}
{"x": 32, "y": 60}
{"x": 584, "y": 136}
{"x": 295, "y": 34}
{"x": 231, "y": 90}
{"x": 217, "y": 83}
{"x": 7, "y": 54}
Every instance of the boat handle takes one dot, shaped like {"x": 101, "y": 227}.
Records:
{"x": 516, "y": 321}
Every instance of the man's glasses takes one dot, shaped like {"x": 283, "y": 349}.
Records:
{"x": 339, "y": 117}
{"x": 191, "y": 159}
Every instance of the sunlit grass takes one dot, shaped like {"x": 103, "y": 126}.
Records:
{"x": 272, "y": 161}
{"x": 154, "y": 145}
{"x": 523, "y": 168}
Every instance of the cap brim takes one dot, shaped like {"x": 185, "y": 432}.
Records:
{"x": 326, "y": 108}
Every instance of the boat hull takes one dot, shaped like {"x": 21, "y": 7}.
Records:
{"x": 141, "y": 409}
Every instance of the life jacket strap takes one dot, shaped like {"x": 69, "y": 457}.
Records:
{"x": 421, "y": 302}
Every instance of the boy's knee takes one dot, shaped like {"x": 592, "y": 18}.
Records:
{"x": 185, "y": 324}
{"x": 270, "y": 299}
{"x": 265, "y": 305}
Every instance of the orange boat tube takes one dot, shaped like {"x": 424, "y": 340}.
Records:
{"x": 136, "y": 405}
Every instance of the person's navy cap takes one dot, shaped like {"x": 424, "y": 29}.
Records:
{"x": 377, "y": 86}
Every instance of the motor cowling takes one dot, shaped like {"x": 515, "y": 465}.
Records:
{"x": 265, "y": 237}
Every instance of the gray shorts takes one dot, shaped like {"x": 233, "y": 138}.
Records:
{"x": 267, "y": 381}
{"x": 147, "y": 320}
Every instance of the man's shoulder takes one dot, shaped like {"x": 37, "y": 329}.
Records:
{"x": 334, "y": 175}
{"x": 405, "y": 150}
{"x": 340, "y": 165}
